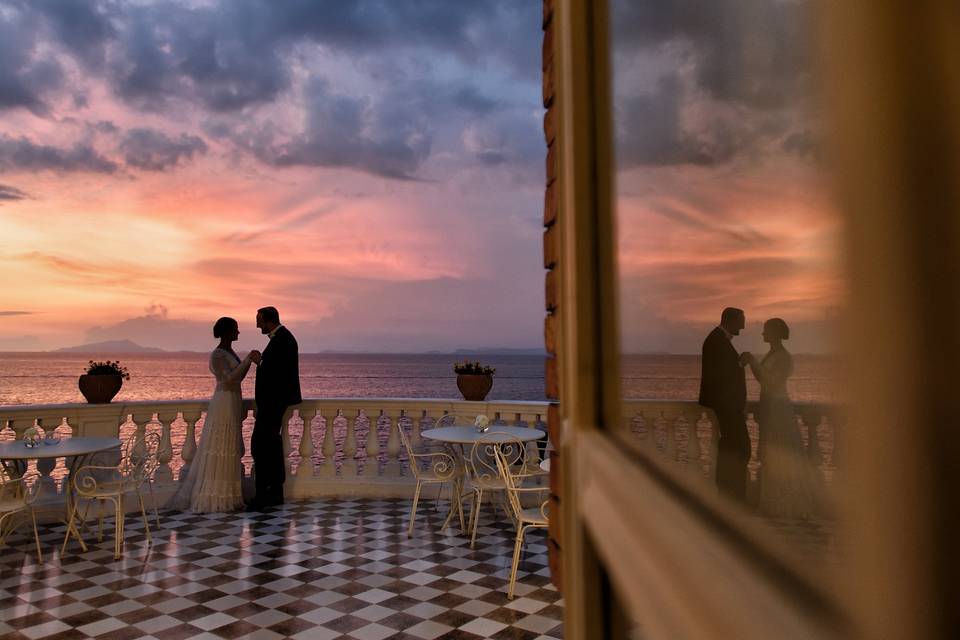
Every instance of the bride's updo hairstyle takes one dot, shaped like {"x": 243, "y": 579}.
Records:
{"x": 223, "y": 325}
{"x": 779, "y": 327}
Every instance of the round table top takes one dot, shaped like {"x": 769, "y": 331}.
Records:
{"x": 469, "y": 435}
{"x": 81, "y": 446}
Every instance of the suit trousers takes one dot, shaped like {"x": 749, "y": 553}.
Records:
{"x": 266, "y": 447}
{"x": 733, "y": 453}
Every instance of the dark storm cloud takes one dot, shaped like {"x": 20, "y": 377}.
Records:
{"x": 738, "y": 69}
{"x": 649, "y": 131}
{"x": 733, "y": 43}
{"x": 230, "y": 57}
{"x": 152, "y": 150}
{"x": 389, "y": 138}
{"x": 471, "y": 99}
{"x": 25, "y": 76}
{"x": 8, "y": 193}
{"x": 505, "y": 137}
{"x": 21, "y": 154}
{"x": 83, "y": 27}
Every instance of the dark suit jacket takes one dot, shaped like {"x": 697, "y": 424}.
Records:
{"x": 723, "y": 383}
{"x": 278, "y": 375}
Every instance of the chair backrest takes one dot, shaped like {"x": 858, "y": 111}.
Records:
{"x": 414, "y": 467}
{"x": 25, "y": 488}
{"x": 510, "y": 484}
{"x": 446, "y": 420}
{"x": 144, "y": 457}
{"x": 484, "y": 454}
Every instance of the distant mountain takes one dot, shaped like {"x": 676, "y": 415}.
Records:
{"x": 502, "y": 351}
{"x": 110, "y": 346}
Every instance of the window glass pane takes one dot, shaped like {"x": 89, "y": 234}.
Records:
{"x": 721, "y": 203}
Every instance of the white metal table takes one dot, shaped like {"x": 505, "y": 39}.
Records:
{"x": 15, "y": 454}
{"x": 459, "y": 436}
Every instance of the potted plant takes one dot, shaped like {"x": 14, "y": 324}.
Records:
{"x": 474, "y": 379}
{"x": 102, "y": 381}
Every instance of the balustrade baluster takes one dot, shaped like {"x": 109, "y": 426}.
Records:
{"x": 305, "y": 468}
{"x": 349, "y": 467}
{"x": 372, "y": 467}
{"x": 644, "y": 430}
{"x": 693, "y": 444}
{"x": 812, "y": 421}
{"x": 164, "y": 473}
{"x": 392, "y": 468}
{"x": 416, "y": 416}
{"x": 19, "y": 427}
{"x": 329, "y": 467}
{"x": 189, "y": 446}
{"x": 139, "y": 446}
{"x": 285, "y": 440}
{"x": 670, "y": 444}
{"x": 713, "y": 443}
{"x": 46, "y": 466}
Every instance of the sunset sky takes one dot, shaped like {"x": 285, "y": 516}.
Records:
{"x": 375, "y": 170}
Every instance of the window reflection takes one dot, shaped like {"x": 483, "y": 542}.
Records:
{"x": 727, "y": 251}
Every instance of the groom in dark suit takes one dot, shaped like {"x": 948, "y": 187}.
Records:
{"x": 277, "y": 388}
{"x": 723, "y": 388}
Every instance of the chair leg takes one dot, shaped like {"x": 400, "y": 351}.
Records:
{"x": 436, "y": 505}
{"x": 36, "y": 536}
{"x": 153, "y": 499}
{"x": 70, "y": 528}
{"x": 460, "y": 509}
{"x": 475, "y": 517}
{"x": 4, "y": 531}
{"x": 517, "y": 545}
{"x": 100, "y": 515}
{"x": 143, "y": 514}
{"x": 119, "y": 541}
{"x": 456, "y": 495}
{"x": 413, "y": 509}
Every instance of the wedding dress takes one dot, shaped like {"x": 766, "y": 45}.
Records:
{"x": 786, "y": 476}
{"x": 213, "y": 480}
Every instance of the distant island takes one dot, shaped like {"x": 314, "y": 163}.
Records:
{"x": 502, "y": 351}
{"x": 110, "y": 346}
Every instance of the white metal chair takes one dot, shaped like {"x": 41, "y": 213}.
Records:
{"x": 485, "y": 476}
{"x": 150, "y": 448}
{"x": 17, "y": 497}
{"x": 526, "y": 518}
{"x": 431, "y": 467}
{"x": 103, "y": 483}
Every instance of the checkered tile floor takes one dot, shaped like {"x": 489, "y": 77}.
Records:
{"x": 316, "y": 569}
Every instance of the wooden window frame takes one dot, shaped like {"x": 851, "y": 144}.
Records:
{"x": 679, "y": 564}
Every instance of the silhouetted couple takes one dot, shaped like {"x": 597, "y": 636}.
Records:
{"x": 786, "y": 479}
{"x": 213, "y": 481}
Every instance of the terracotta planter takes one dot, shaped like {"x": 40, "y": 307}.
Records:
{"x": 474, "y": 387}
{"x": 100, "y": 389}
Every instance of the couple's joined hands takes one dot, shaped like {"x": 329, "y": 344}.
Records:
{"x": 255, "y": 356}
{"x": 745, "y": 358}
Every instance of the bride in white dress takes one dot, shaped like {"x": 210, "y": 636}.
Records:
{"x": 213, "y": 480}
{"x": 786, "y": 476}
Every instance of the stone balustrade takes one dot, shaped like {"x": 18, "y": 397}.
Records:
{"x": 351, "y": 448}
{"x": 666, "y": 430}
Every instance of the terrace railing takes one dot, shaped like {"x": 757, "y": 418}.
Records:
{"x": 333, "y": 446}
{"x": 350, "y": 447}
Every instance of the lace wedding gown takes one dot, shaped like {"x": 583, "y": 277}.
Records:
{"x": 213, "y": 480}
{"x": 786, "y": 476}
